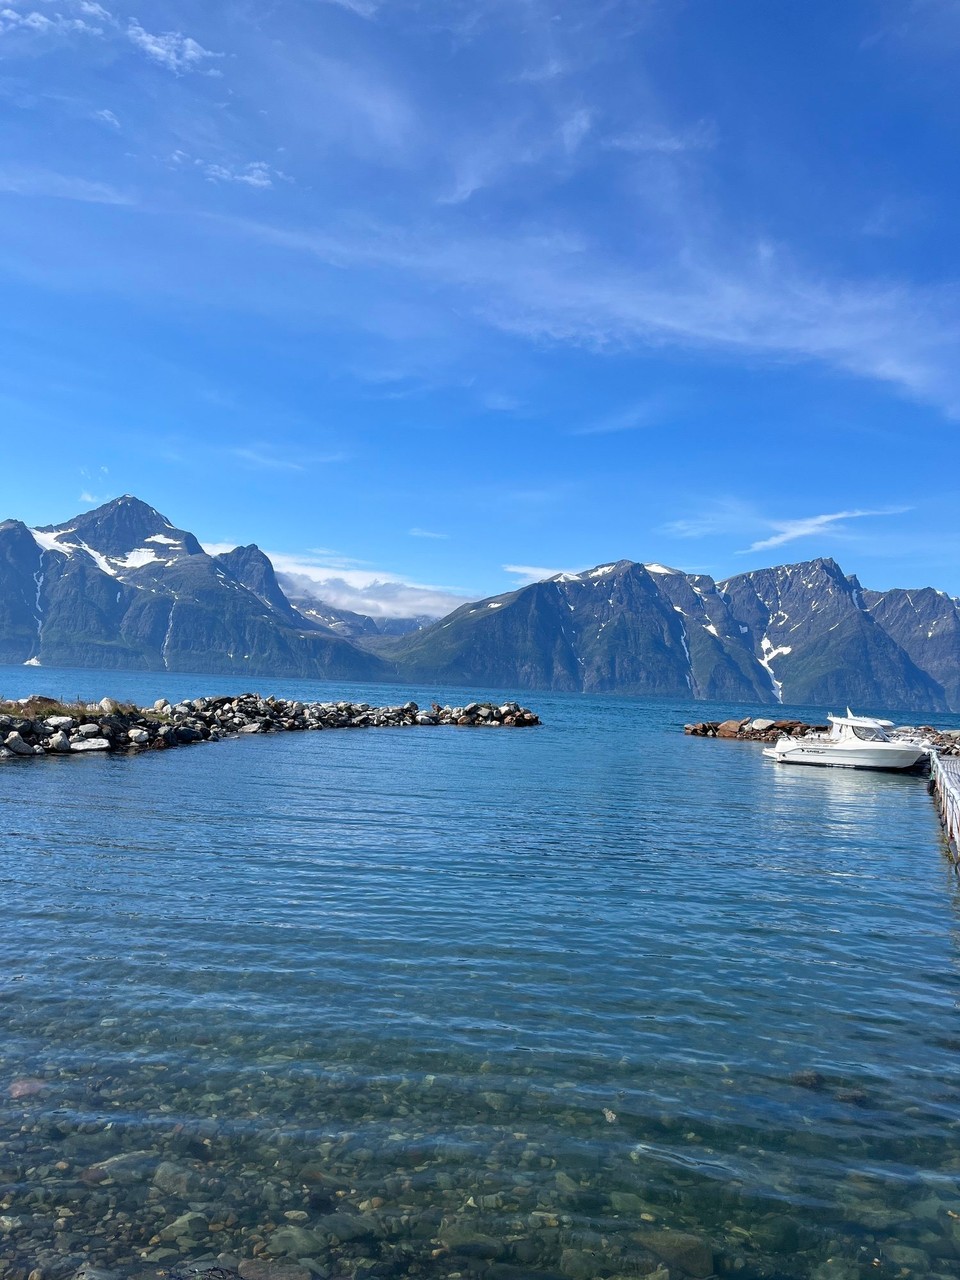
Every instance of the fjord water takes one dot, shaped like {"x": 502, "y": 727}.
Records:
{"x": 566, "y": 1001}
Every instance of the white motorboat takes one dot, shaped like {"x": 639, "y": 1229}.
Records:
{"x": 852, "y": 742}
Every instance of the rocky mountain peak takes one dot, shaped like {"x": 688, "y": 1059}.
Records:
{"x": 123, "y": 534}
{"x": 254, "y": 569}
{"x": 122, "y": 586}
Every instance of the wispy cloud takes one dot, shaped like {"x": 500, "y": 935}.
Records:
{"x": 483, "y": 162}
{"x": 720, "y": 516}
{"x": 527, "y": 573}
{"x": 893, "y": 216}
{"x": 730, "y": 517}
{"x": 426, "y": 533}
{"x": 813, "y": 526}
{"x": 543, "y": 72}
{"x": 362, "y": 8}
{"x": 344, "y": 104}
{"x": 107, "y": 117}
{"x": 508, "y": 151}
{"x": 647, "y": 412}
{"x": 500, "y": 402}
{"x": 650, "y": 138}
{"x": 264, "y": 458}
{"x": 60, "y": 186}
{"x": 741, "y": 299}
{"x": 574, "y": 129}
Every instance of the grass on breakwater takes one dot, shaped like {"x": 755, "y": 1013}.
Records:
{"x": 38, "y": 707}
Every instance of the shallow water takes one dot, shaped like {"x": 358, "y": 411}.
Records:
{"x": 472, "y": 1002}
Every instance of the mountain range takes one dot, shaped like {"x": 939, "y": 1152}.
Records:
{"x": 121, "y": 587}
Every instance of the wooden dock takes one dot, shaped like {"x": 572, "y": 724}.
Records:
{"x": 945, "y": 779}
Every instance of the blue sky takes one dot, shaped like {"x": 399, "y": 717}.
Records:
{"x": 456, "y": 294}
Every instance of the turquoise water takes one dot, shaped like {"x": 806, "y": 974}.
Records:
{"x": 577, "y": 1001}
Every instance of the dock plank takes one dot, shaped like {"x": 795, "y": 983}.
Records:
{"x": 945, "y": 776}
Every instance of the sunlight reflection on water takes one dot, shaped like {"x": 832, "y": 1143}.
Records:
{"x": 301, "y": 974}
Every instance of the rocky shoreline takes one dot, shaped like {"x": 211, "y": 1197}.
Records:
{"x": 40, "y": 726}
{"x": 944, "y": 741}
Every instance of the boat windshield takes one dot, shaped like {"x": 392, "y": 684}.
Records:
{"x": 869, "y": 734}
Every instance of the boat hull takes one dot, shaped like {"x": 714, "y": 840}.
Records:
{"x": 890, "y": 757}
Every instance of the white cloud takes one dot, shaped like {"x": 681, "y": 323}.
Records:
{"x": 257, "y": 174}
{"x": 59, "y": 186}
{"x": 499, "y": 402}
{"x": 480, "y": 164}
{"x": 729, "y": 517}
{"x": 647, "y": 412}
{"x": 544, "y": 72}
{"x": 172, "y": 49}
{"x": 107, "y": 117}
{"x": 425, "y": 533}
{"x": 40, "y": 24}
{"x": 574, "y": 130}
{"x": 341, "y": 104}
{"x": 499, "y": 153}
{"x": 527, "y": 573}
{"x": 649, "y": 138}
{"x": 810, "y": 526}
{"x": 724, "y": 515}
{"x": 739, "y": 299}
{"x": 374, "y": 595}
{"x": 263, "y": 459}
{"x": 345, "y": 583}
{"x": 362, "y": 8}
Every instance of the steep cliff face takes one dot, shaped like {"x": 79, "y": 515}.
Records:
{"x": 620, "y": 627}
{"x": 122, "y": 587}
{"x": 254, "y": 570}
{"x": 722, "y": 666}
{"x": 795, "y": 633}
{"x": 21, "y": 582}
{"x": 926, "y": 625}
{"x": 808, "y": 624}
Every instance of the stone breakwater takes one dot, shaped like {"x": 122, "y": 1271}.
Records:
{"x": 946, "y": 742}
{"x": 748, "y": 730}
{"x": 40, "y": 726}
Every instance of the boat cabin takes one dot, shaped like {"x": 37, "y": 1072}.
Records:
{"x": 865, "y": 728}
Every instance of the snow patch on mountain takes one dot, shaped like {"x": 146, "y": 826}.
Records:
{"x": 769, "y": 653}
{"x": 49, "y": 541}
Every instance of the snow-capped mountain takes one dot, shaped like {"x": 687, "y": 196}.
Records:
{"x": 119, "y": 537}
{"x": 796, "y": 633}
{"x": 809, "y": 627}
{"x": 123, "y": 587}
